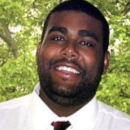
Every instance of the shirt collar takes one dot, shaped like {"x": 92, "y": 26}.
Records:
{"x": 86, "y": 116}
{"x": 87, "y": 113}
{"x": 43, "y": 116}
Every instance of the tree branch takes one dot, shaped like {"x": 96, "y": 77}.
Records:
{"x": 125, "y": 94}
{"x": 126, "y": 8}
{"x": 9, "y": 40}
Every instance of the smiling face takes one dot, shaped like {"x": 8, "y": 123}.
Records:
{"x": 71, "y": 59}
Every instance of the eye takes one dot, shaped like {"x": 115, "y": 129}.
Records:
{"x": 57, "y": 38}
{"x": 86, "y": 43}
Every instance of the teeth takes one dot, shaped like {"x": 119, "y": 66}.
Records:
{"x": 68, "y": 69}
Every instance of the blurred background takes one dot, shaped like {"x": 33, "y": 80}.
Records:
{"x": 21, "y": 23}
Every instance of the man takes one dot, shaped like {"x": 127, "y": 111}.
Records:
{"x": 71, "y": 58}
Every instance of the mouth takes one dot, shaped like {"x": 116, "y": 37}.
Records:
{"x": 64, "y": 72}
{"x": 68, "y": 69}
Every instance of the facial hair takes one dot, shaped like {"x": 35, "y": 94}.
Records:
{"x": 69, "y": 95}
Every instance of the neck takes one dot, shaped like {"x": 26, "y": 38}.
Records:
{"x": 58, "y": 109}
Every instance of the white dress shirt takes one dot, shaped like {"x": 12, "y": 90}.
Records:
{"x": 31, "y": 113}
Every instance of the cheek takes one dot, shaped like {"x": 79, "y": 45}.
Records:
{"x": 88, "y": 58}
{"x": 91, "y": 61}
{"x": 49, "y": 51}
{"x": 48, "y": 54}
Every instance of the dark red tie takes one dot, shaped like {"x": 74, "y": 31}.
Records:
{"x": 61, "y": 125}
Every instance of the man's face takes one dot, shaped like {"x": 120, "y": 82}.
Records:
{"x": 70, "y": 59}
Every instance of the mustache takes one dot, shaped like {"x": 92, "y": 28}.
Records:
{"x": 54, "y": 62}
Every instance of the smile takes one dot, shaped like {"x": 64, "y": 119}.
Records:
{"x": 68, "y": 69}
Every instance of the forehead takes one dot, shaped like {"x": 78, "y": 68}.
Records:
{"x": 69, "y": 17}
{"x": 75, "y": 21}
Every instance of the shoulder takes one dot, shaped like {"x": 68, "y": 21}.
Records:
{"x": 113, "y": 116}
{"x": 13, "y": 111}
{"x": 14, "y": 103}
{"x": 111, "y": 111}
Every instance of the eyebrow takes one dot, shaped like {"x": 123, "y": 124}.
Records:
{"x": 89, "y": 34}
{"x": 82, "y": 33}
{"x": 59, "y": 29}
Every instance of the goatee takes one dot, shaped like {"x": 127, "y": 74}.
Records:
{"x": 69, "y": 95}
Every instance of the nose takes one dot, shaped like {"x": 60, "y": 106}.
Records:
{"x": 69, "y": 51}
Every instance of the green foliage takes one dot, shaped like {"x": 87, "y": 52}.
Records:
{"x": 18, "y": 73}
{"x": 18, "y": 77}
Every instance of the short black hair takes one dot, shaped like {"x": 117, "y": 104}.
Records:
{"x": 85, "y": 7}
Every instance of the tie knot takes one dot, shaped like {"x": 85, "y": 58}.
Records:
{"x": 61, "y": 125}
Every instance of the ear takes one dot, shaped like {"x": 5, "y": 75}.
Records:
{"x": 38, "y": 50}
{"x": 106, "y": 61}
